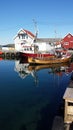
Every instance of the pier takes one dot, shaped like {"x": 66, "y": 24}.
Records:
{"x": 9, "y": 54}
{"x": 68, "y": 97}
{"x": 68, "y": 109}
{"x": 66, "y": 123}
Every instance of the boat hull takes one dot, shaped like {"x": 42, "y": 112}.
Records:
{"x": 49, "y": 60}
{"x": 36, "y": 54}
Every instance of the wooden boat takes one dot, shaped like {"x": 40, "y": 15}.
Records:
{"x": 54, "y": 60}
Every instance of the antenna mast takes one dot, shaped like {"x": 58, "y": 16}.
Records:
{"x": 55, "y": 34}
{"x": 35, "y": 25}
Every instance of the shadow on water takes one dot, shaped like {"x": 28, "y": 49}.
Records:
{"x": 45, "y": 123}
{"x": 47, "y": 118}
{"x": 23, "y": 127}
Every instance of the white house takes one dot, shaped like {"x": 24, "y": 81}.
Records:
{"x": 26, "y": 42}
{"x": 22, "y": 38}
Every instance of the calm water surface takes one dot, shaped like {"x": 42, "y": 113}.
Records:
{"x": 30, "y": 96}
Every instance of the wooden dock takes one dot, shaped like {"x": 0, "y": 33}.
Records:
{"x": 9, "y": 54}
{"x": 67, "y": 123}
{"x": 68, "y": 97}
{"x": 68, "y": 109}
{"x": 58, "y": 123}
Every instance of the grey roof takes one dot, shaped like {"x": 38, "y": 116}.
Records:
{"x": 48, "y": 40}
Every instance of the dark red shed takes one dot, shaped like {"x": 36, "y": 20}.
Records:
{"x": 67, "y": 42}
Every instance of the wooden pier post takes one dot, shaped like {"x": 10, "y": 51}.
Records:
{"x": 68, "y": 112}
{"x": 10, "y": 54}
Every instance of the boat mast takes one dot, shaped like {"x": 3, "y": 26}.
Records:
{"x": 36, "y": 31}
{"x": 55, "y": 38}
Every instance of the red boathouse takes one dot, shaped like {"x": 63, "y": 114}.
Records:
{"x": 67, "y": 42}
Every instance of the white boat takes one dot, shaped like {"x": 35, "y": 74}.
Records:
{"x": 37, "y": 50}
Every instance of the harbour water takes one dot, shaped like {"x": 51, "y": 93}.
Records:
{"x": 31, "y": 96}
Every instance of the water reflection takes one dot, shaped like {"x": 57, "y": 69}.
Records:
{"x": 24, "y": 69}
{"x": 24, "y": 106}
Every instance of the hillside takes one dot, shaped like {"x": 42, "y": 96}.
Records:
{"x": 8, "y": 45}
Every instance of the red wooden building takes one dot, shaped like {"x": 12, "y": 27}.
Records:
{"x": 67, "y": 42}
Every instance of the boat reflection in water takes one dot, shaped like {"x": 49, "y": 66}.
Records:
{"x": 25, "y": 69}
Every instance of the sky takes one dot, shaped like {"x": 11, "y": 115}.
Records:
{"x": 52, "y": 18}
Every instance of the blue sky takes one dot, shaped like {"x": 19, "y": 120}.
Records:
{"x": 54, "y": 18}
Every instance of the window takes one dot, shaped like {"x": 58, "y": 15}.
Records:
{"x": 22, "y": 43}
{"x": 27, "y": 49}
{"x": 22, "y": 36}
{"x": 24, "y": 49}
{"x": 30, "y": 49}
{"x": 19, "y": 36}
{"x": 66, "y": 43}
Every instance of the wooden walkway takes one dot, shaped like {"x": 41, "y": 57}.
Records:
{"x": 58, "y": 124}
{"x": 9, "y": 54}
{"x": 67, "y": 123}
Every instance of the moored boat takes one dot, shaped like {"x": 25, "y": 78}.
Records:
{"x": 40, "y": 55}
{"x": 37, "y": 50}
{"x": 48, "y": 60}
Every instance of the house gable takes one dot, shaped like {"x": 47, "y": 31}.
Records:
{"x": 67, "y": 41}
{"x": 26, "y": 32}
{"x": 23, "y": 31}
{"x": 29, "y": 33}
{"x": 23, "y": 37}
{"x": 68, "y": 38}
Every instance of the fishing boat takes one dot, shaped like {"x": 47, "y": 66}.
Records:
{"x": 37, "y": 50}
{"x": 48, "y": 60}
